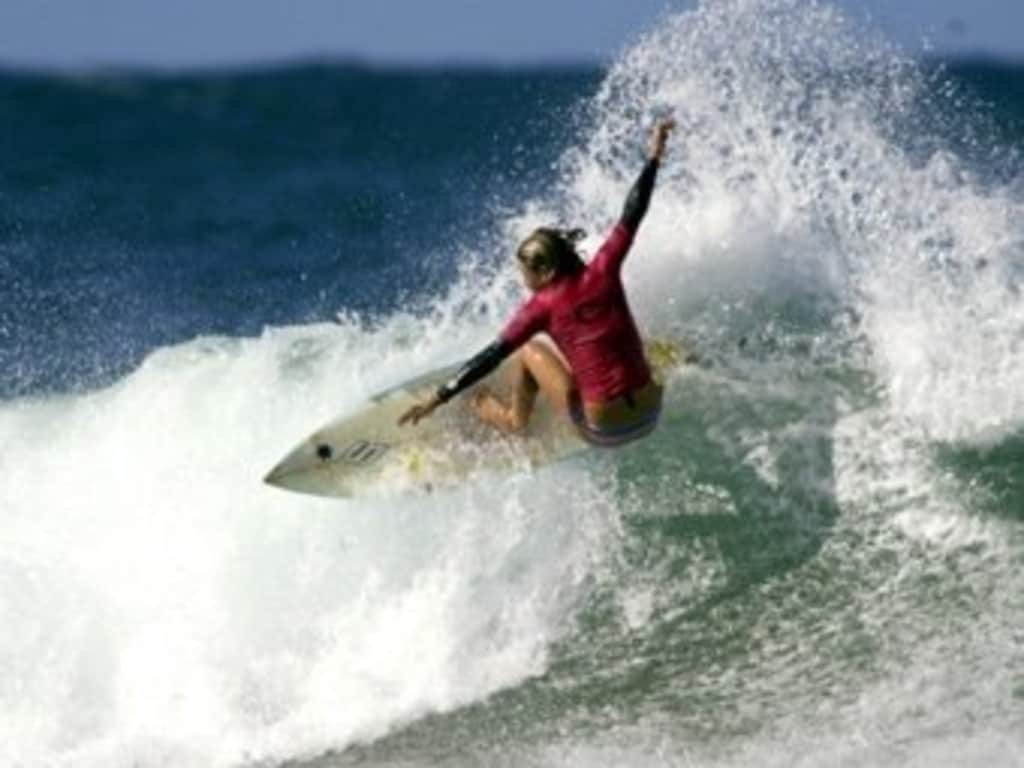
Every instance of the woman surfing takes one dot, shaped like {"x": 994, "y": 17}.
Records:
{"x": 599, "y": 376}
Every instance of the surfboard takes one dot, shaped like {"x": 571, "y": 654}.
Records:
{"x": 366, "y": 453}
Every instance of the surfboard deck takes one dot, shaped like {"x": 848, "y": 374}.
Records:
{"x": 367, "y": 453}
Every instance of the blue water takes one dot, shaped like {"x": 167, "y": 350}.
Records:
{"x": 816, "y": 560}
{"x": 142, "y": 211}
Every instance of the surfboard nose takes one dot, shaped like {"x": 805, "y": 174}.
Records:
{"x": 274, "y": 476}
{"x": 301, "y": 459}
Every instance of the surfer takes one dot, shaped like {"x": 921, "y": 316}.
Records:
{"x": 599, "y": 375}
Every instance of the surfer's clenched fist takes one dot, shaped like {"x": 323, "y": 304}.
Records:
{"x": 659, "y": 137}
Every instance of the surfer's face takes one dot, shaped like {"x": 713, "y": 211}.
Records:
{"x": 535, "y": 280}
{"x": 535, "y": 262}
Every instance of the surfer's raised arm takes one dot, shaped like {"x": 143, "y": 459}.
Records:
{"x": 612, "y": 253}
{"x": 639, "y": 198}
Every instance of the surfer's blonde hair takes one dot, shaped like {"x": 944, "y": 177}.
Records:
{"x": 549, "y": 250}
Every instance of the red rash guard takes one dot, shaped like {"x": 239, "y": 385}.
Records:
{"x": 588, "y": 318}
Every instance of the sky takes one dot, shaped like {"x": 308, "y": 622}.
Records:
{"x": 184, "y": 33}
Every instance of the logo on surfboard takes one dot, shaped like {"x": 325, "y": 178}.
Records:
{"x": 360, "y": 452}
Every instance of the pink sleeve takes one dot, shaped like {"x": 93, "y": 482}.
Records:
{"x": 530, "y": 318}
{"x": 613, "y": 252}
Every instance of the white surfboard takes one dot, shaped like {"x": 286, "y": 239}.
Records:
{"x": 367, "y": 453}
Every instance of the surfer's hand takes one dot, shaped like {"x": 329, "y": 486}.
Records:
{"x": 659, "y": 136}
{"x": 419, "y": 411}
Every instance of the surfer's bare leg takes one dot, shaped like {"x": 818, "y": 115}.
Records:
{"x": 536, "y": 368}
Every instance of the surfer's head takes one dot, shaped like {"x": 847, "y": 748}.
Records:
{"x": 548, "y": 254}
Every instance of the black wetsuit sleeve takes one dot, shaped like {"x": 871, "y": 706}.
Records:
{"x": 475, "y": 369}
{"x": 640, "y": 196}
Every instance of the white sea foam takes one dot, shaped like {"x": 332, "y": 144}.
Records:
{"x": 163, "y": 607}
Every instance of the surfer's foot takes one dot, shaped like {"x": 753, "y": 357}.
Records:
{"x": 491, "y": 410}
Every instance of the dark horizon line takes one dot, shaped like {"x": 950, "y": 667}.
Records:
{"x": 306, "y": 61}
{"x": 451, "y": 64}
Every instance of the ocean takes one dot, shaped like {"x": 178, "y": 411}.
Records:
{"x": 816, "y": 560}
